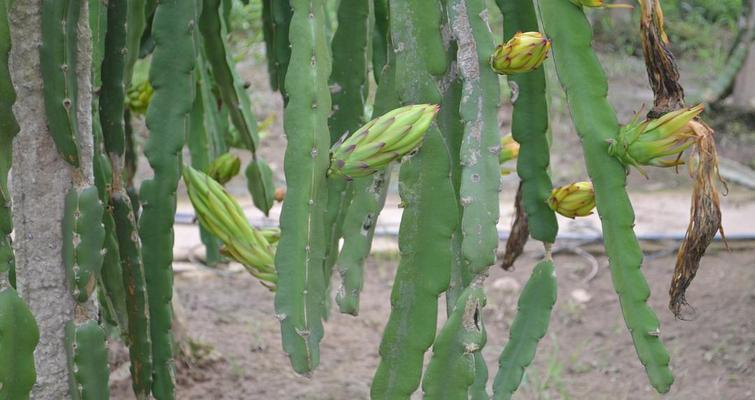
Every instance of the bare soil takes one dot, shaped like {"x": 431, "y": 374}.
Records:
{"x": 587, "y": 353}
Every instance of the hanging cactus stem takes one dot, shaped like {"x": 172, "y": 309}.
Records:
{"x": 58, "y": 56}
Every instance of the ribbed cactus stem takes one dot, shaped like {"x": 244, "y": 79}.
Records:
{"x": 174, "y": 31}
{"x": 430, "y": 214}
{"x": 585, "y": 84}
{"x": 8, "y": 130}
{"x": 453, "y": 367}
{"x": 299, "y": 301}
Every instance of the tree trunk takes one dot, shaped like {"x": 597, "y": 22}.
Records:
{"x": 744, "y": 86}
{"x": 40, "y": 180}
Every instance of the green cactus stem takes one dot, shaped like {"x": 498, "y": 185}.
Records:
{"x": 360, "y": 219}
{"x": 530, "y": 324}
{"x": 349, "y": 84}
{"x": 138, "y": 336}
{"x": 172, "y": 76}
{"x": 452, "y": 368}
{"x": 276, "y": 16}
{"x": 83, "y": 236}
{"x": 530, "y": 128}
{"x": 299, "y": 301}
{"x": 430, "y": 215}
{"x": 8, "y": 130}
{"x": 19, "y": 336}
{"x": 381, "y": 38}
{"x": 233, "y": 94}
{"x": 57, "y": 56}
{"x": 113, "y": 90}
{"x": 87, "y": 359}
{"x": 136, "y": 22}
{"x": 585, "y": 84}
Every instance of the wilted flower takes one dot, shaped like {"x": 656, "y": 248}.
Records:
{"x": 382, "y": 140}
{"x": 658, "y": 142}
{"x": 523, "y": 53}
{"x": 574, "y": 200}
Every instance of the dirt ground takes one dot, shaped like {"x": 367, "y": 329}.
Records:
{"x": 587, "y": 353}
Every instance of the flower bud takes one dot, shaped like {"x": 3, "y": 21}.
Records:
{"x": 658, "y": 142}
{"x": 222, "y": 216}
{"x": 523, "y": 53}
{"x": 138, "y": 97}
{"x": 509, "y": 151}
{"x": 224, "y": 168}
{"x": 382, "y": 140}
{"x": 599, "y": 4}
{"x": 574, "y": 200}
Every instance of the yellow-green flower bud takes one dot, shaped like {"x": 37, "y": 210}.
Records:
{"x": 599, "y": 4}
{"x": 222, "y": 216}
{"x": 382, "y": 140}
{"x": 509, "y": 151}
{"x": 523, "y": 53}
{"x": 224, "y": 168}
{"x": 574, "y": 200}
{"x": 138, "y": 97}
{"x": 658, "y": 142}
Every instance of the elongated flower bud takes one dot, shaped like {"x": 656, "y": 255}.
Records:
{"x": 138, "y": 97}
{"x": 509, "y": 151}
{"x": 224, "y": 168}
{"x": 574, "y": 200}
{"x": 382, "y": 140}
{"x": 523, "y": 53}
{"x": 599, "y": 4}
{"x": 222, "y": 216}
{"x": 658, "y": 142}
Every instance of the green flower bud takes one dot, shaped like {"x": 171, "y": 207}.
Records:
{"x": 574, "y": 200}
{"x": 222, "y": 216}
{"x": 224, "y": 168}
{"x": 138, "y": 97}
{"x": 599, "y": 4}
{"x": 381, "y": 141}
{"x": 658, "y": 142}
{"x": 523, "y": 53}
{"x": 509, "y": 151}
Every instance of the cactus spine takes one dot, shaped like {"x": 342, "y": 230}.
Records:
{"x": 172, "y": 76}
{"x": 583, "y": 80}
{"x": 299, "y": 303}
{"x": 8, "y": 130}
{"x": 18, "y": 338}
{"x": 349, "y": 85}
{"x": 58, "y": 58}
{"x": 430, "y": 215}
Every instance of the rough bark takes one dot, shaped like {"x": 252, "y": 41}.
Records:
{"x": 40, "y": 180}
